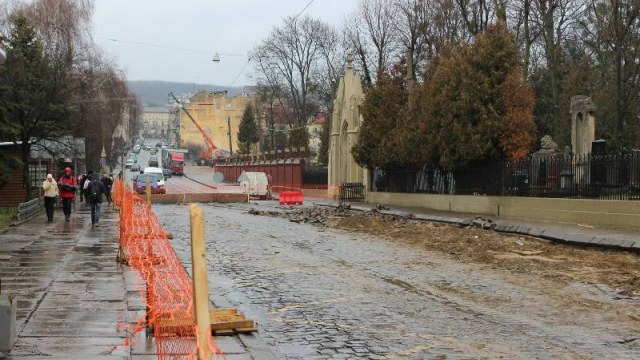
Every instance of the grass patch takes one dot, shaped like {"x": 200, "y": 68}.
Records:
{"x": 7, "y": 215}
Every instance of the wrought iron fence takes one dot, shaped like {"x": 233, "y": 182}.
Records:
{"x": 352, "y": 192}
{"x": 609, "y": 177}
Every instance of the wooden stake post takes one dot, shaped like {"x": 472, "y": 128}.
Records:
{"x": 148, "y": 191}
{"x": 200, "y": 282}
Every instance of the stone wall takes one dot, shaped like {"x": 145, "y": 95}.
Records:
{"x": 599, "y": 213}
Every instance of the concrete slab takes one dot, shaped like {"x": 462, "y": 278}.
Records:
{"x": 230, "y": 345}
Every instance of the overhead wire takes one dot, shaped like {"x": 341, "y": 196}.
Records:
{"x": 249, "y": 59}
{"x": 170, "y": 47}
{"x": 199, "y": 50}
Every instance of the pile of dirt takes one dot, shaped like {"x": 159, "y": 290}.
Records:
{"x": 617, "y": 269}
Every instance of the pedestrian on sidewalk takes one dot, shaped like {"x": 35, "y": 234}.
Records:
{"x": 85, "y": 185}
{"x": 107, "y": 181}
{"x": 67, "y": 186}
{"x": 96, "y": 189}
{"x": 81, "y": 179}
{"x": 50, "y": 187}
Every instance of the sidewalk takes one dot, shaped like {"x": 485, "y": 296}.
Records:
{"x": 75, "y": 301}
{"x": 581, "y": 234}
{"x": 72, "y": 300}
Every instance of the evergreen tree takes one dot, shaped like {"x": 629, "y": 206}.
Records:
{"x": 32, "y": 93}
{"x": 325, "y": 138}
{"x": 248, "y": 131}
{"x": 382, "y": 133}
{"x": 476, "y": 104}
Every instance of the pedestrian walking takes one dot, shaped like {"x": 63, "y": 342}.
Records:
{"x": 85, "y": 185}
{"x": 107, "y": 181}
{"x": 81, "y": 179}
{"x": 96, "y": 189}
{"x": 67, "y": 186}
{"x": 50, "y": 187}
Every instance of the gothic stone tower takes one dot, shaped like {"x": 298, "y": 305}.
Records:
{"x": 345, "y": 127}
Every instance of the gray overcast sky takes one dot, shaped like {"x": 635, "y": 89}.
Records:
{"x": 231, "y": 26}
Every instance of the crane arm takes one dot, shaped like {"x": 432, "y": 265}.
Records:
{"x": 210, "y": 145}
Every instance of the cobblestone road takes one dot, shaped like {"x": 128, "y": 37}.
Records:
{"x": 328, "y": 294}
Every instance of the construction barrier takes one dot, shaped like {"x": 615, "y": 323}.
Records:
{"x": 290, "y": 198}
{"x": 145, "y": 246}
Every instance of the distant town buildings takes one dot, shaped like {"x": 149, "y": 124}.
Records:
{"x": 157, "y": 122}
{"x": 218, "y": 115}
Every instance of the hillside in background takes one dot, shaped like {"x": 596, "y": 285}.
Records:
{"x": 156, "y": 93}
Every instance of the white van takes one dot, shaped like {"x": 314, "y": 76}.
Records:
{"x": 157, "y": 172}
{"x": 254, "y": 183}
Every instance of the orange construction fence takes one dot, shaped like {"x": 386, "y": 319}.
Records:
{"x": 145, "y": 246}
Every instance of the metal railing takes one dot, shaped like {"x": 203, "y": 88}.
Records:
{"x": 29, "y": 209}
{"x": 606, "y": 177}
{"x": 352, "y": 192}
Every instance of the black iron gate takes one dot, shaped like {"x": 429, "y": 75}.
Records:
{"x": 353, "y": 192}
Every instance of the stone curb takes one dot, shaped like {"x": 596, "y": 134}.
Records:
{"x": 503, "y": 226}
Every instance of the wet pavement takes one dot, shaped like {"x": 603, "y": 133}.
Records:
{"x": 321, "y": 293}
{"x": 315, "y": 293}
{"x": 74, "y": 300}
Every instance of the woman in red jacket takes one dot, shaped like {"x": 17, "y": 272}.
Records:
{"x": 67, "y": 186}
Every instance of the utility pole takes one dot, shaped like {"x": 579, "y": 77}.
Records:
{"x": 229, "y": 135}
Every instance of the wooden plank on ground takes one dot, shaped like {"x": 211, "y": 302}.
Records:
{"x": 245, "y": 330}
{"x": 230, "y": 311}
{"x": 230, "y": 325}
{"x": 225, "y": 318}
{"x": 223, "y": 332}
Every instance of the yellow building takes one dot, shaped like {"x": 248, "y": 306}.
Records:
{"x": 217, "y": 114}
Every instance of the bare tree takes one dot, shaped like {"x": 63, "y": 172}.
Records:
{"x": 370, "y": 34}
{"x": 411, "y": 20}
{"x": 290, "y": 59}
{"x": 358, "y": 43}
{"x": 612, "y": 29}
{"x": 477, "y": 14}
{"x": 64, "y": 26}
{"x": 555, "y": 18}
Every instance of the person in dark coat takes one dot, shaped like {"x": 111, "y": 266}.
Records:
{"x": 95, "y": 192}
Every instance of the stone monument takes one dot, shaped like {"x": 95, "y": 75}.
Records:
{"x": 541, "y": 160}
{"x": 345, "y": 127}
{"x": 583, "y": 124}
{"x": 583, "y": 130}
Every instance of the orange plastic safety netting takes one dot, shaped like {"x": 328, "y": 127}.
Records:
{"x": 169, "y": 291}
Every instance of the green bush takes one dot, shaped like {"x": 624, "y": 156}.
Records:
{"x": 7, "y": 215}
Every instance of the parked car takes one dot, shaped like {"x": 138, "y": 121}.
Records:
{"x": 140, "y": 184}
{"x": 166, "y": 173}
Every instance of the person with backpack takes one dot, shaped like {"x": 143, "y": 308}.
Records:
{"x": 67, "y": 185}
{"x": 107, "y": 181}
{"x": 95, "y": 191}
{"x": 85, "y": 185}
